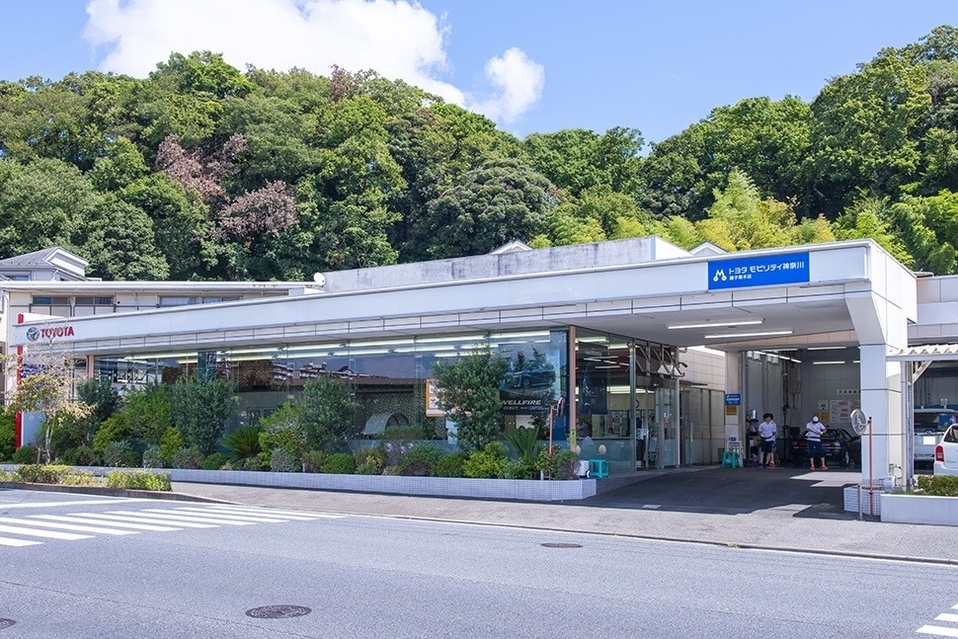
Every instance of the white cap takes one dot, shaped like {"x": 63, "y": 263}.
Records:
{"x": 815, "y": 419}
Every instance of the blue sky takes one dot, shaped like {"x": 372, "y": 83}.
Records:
{"x": 533, "y": 66}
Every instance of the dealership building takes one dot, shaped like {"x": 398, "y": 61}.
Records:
{"x": 655, "y": 355}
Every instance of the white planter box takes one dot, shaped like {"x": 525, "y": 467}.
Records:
{"x": 512, "y": 489}
{"x": 919, "y": 509}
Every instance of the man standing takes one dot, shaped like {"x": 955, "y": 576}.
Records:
{"x": 813, "y": 433}
{"x": 768, "y": 429}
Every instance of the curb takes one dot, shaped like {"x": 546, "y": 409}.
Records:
{"x": 106, "y": 491}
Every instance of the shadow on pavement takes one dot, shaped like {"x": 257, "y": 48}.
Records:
{"x": 737, "y": 491}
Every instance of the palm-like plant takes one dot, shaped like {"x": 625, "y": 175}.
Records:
{"x": 243, "y": 443}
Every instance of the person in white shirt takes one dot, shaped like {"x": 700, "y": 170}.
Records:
{"x": 813, "y": 433}
{"x": 768, "y": 430}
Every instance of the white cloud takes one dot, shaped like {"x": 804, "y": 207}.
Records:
{"x": 396, "y": 38}
{"x": 519, "y": 81}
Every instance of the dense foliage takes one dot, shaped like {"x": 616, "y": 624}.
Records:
{"x": 203, "y": 171}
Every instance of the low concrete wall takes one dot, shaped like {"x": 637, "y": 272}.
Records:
{"x": 511, "y": 489}
{"x": 919, "y": 509}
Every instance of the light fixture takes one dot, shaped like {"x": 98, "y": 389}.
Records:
{"x": 825, "y": 348}
{"x": 716, "y": 324}
{"x": 757, "y": 334}
{"x": 829, "y": 362}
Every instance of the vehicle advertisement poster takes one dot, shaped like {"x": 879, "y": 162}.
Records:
{"x": 593, "y": 373}
{"x": 531, "y": 383}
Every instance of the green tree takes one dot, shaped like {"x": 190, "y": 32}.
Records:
{"x": 200, "y": 409}
{"x": 867, "y": 218}
{"x": 467, "y": 389}
{"x": 740, "y": 220}
{"x": 326, "y": 411}
{"x": 49, "y": 391}
{"x": 148, "y": 413}
{"x": 501, "y": 201}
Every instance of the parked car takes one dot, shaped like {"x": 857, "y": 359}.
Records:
{"x": 946, "y": 453}
{"x": 840, "y": 448}
{"x": 529, "y": 377}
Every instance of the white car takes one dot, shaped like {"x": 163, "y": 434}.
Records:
{"x": 946, "y": 453}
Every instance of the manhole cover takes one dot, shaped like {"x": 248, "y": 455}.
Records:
{"x": 278, "y": 612}
{"x": 561, "y": 545}
{"x": 6, "y": 623}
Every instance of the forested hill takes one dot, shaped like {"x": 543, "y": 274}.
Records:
{"x": 201, "y": 171}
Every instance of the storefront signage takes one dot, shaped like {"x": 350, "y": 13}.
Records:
{"x": 34, "y": 333}
{"x": 763, "y": 270}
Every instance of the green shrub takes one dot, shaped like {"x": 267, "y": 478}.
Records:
{"x": 121, "y": 453}
{"x": 187, "y": 457}
{"x": 421, "y": 460}
{"x": 488, "y": 463}
{"x": 340, "y": 464}
{"x": 282, "y": 461}
{"x": 138, "y": 480}
{"x": 560, "y": 464}
{"x": 115, "y": 428}
{"x": 369, "y": 461}
{"x": 8, "y": 435}
{"x": 243, "y": 443}
{"x": 215, "y": 461}
{"x": 170, "y": 444}
{"x": 80, "y": 456}
{"x": 26, "y": 455}
{"x": 313, "y": 461}
{"x": 517, "y": 469}
{"x": 80, "y": 478}
{"x": 42, "y": 473}
{"x": 450, "y": 465}
{"x": 153, "y": 457}
{"x": 939, "y": 485}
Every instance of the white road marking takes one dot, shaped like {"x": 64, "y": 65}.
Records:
{"x": 6, "y": 541}
{"x": 91, "y": 519}
{"x": 84, "y": 502}
{"x": 938, "y": 630}
{"x": 226, "y": 515}
{"x": 48, "y": 524}
{"x": 946, "y": 616}
{"x": 278, "y": 513}
{"x": 172, "y": 517}
{"x": 50, "y": 534}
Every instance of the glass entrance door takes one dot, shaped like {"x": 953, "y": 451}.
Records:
{"x": 666, "y": 412}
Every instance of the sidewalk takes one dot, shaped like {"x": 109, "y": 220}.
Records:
{"x": 750, "y": 508}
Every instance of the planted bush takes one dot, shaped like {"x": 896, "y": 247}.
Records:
{"x": 340, "y": 464}
{"x": 282, "y": 461}
{"x": 420, "y": 461}
{"x": 450, "y": 465}
{"x": 138, "y": 480}
{"x": 369, "y": 461}
{"x": 121, "y": 453}
{"x": 26, "y": 455}
{"x": 187, "y": 457}
{"x": 215, "y": 461}
{"x": 42, "y": 473}
{"x": 488, "y": 463}
{"x": 938, "y": 485}
{"x": 558, "y": 464}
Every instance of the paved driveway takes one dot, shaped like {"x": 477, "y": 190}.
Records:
{"x": 736, "y": 490}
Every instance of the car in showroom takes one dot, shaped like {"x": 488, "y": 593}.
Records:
{"x": 946, "y": 453}
{"x": 840, "y": 447}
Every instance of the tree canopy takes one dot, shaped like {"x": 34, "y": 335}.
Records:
{"x": 203, "y": 171}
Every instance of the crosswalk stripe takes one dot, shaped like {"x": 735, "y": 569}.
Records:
{"x": 225, "y": 515}
{"x": 946, "y": 616}
{"x": 88, "y": 519}
{"x": 938, "y": 630}
{"x": 50, "y": 534}
{"x": 134, "y": 517}
{"x": 50, "y": 524}
{"x": 6, "y": 541}
{"x": 171, "y": 516}
{"x": 279, "y": 513}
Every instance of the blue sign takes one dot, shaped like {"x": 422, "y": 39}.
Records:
{"x": 762, "y": 270}
{"x": 733, "y": 399}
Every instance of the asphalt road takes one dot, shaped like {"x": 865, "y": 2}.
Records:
{"x": 355, "y": 575}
